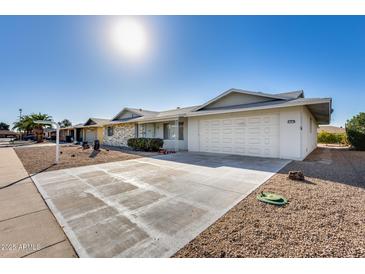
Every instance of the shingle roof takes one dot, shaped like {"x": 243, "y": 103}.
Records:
{"x": 322, "y": 112}
{"x": 285, "y": 99}
{"x": 97, "y": 121}
{"x": 142, "y": 112}
{"x": 292, "y": 94}
{"x": 9, "y": 132}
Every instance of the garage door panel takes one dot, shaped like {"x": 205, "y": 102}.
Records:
{"x": 253, "y": 120}
{"x": 254, "y": 135}
{"x": 90, "y": 135}
{"x": 253, "y": 151}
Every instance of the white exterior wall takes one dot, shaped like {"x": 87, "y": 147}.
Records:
{"x": 290, "y": 144}
{"x": 309, "y": 132}
{"x": 293, "y": 144}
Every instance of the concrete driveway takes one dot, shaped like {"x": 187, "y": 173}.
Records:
{"x": 149, "y": 207}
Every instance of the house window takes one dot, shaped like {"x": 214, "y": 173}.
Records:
{"x": 142, "y": 131}
{"x": 181, "y": 130}
{"x": 136, "y": 130}
{"x": 110, "y": 131}
{"x": 166, "y": 131}
{"x": 169, "y": 131}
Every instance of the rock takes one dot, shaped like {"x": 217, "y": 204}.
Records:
{"x": 296, "y": 175}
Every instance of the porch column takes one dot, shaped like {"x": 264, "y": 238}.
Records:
{"x": 177, "y": 135}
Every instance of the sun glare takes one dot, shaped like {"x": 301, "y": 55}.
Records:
{"x": 129, "y": 37}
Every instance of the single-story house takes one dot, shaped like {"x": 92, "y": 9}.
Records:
{"x": 66, "y": 133}
{"x": 49, "y": 133}
{"x": 91, "y": 130}
{"x": 4, "y": 133}
{"x": 282, "y": 125}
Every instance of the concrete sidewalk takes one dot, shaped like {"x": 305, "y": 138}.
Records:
{"x": 27, "y": 227}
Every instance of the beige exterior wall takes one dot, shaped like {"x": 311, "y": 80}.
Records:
{"x": 121, "y": 134}
{"x": 100, "y": 134}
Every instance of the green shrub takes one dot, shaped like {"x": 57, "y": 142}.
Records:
{"x": 325, "y": 137}
{"x": 145, "y": 144}
{"x": 355, "y": 129}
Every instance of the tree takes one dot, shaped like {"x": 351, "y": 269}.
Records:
{"x": 4, "y": 126}
{"x": 27, "y": 124}
{"x": 355, "y": 129}
{"x": 65, "y": 123}
{"x": 38, "y": 128}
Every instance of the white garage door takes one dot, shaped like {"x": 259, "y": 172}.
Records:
{"x": 250, "y": 135}
{"x": 90, "y": 135}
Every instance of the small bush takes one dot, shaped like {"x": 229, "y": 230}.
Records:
{"x": 145, "y": 144}
{"x": 325, "y": 137}
{"x": 355, "y": 129}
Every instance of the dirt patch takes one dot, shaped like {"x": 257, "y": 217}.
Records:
{"x": 37, "y": 159}
{"x": 324, "y": 218}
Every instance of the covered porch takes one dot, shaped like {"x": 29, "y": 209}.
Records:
{"x": 67, "y": 134}
{"x": 174, "y": 132}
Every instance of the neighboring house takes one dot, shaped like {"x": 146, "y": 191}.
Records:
{"x": 240, "y": 122}
{"x": 4, "y": 133}
{"x": 67, "y": 134}
{"x": 131, "y": 122}
{"x": 49, "y": 133}
{"x": 332, "y": 129}
{"x": 91, "y": 130}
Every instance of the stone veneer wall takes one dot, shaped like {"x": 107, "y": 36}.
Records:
{"x": 121, "y": 135}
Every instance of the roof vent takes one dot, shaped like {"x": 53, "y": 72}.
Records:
{"x": 140, "y": 109}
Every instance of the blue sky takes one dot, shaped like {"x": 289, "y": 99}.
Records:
{"x": 66, "y": 67}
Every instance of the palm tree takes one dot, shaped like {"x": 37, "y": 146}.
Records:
{"x": 38, "y": 128}
{"x": 27, "y": 124}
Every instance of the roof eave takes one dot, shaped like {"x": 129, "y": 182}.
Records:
{"x": 160, "y": 119}
{"x": 292, "y": 104}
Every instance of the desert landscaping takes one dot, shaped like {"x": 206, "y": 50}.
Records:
{"x": 324, "y": 216}
{"x": 42, "y": 158}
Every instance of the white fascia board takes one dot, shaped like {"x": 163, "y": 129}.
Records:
{"x": 160, "y": 119}
{"x": 284, "y": 105}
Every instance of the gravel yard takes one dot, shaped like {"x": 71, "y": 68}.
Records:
{"x": 36, "y": 159}
{"x": 324, "y": 218}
